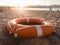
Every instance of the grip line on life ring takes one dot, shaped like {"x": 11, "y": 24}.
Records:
{"x": 9, "y": 25}
{"x": 21, "y": 28}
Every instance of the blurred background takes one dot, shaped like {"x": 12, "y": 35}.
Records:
{"x": 47, "y": 9}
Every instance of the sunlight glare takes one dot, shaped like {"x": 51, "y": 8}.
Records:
{"x": 23, "y": 3}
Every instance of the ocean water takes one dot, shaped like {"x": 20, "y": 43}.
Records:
{"x": 53, "y": 9}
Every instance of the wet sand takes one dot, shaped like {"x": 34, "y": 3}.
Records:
{"x": 7, "y": 39}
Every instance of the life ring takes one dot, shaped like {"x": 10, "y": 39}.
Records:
{"x": 19, "y": 28}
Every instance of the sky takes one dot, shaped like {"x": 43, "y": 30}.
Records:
{"x": 28, "y": 2}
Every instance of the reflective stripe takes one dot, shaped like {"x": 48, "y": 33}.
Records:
{"x": 9, "y": 25}
{"x": 10, "y": 32}
{"x": 39, "y": 30}
{"x": 15, "y": 35}
{"x": 27, "y": 20}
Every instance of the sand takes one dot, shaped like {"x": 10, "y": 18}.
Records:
{"x": 7, "y": 39}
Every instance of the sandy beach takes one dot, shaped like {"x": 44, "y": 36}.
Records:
{"x": 8, "y": 14}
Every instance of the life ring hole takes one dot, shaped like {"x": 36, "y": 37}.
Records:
{"x": 31, "y": 23}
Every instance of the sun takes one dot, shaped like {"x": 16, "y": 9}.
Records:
{"x": 22, "y": 5}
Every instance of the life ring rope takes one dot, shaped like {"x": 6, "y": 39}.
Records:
{"x": 9, "y": 25}
{"x": 22, "y": 28}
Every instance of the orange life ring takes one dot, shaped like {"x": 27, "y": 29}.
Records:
{"x": 19, "y": 28}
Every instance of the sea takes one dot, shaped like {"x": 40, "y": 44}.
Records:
{"x": 53, "y": 9}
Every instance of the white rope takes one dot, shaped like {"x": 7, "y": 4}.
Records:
{"x": 22, "y": 28}
{"x": 9, "y": 25}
